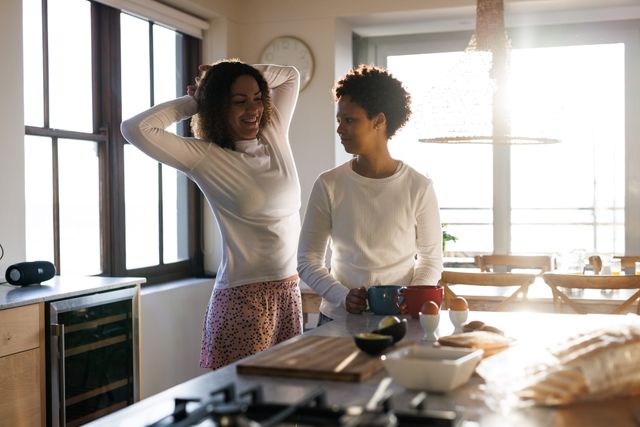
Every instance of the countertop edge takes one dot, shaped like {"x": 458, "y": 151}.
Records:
{"x": 61, "y": 288}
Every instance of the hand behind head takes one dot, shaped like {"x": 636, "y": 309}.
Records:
{"x": 203, "y": 68}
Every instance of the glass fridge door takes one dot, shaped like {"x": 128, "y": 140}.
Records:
{"x": 93, "y": 356}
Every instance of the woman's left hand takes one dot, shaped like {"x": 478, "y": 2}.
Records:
{"x": 356, "y": 301}
{"x": 203, "y": 68}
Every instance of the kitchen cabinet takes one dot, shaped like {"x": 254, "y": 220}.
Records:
{"x": 24, "y": 336}
{"x": 22, "y": 398}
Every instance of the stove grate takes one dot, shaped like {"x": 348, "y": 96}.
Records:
{"x": 248, "y": 409}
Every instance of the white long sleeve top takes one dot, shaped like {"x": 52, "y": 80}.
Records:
{"x": 382, "y": 232}
{"x": 253, "y": 192}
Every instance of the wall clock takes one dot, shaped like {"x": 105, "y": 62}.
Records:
{"x": 288, "y": 50}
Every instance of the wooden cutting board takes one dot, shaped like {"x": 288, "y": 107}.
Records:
{"x": 314, "y": 357}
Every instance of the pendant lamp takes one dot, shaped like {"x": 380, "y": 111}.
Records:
{"x": 473, "y": 104}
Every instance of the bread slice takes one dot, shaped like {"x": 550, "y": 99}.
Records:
{"x": 490, "y": 342}
{"x": 557, "y": 388}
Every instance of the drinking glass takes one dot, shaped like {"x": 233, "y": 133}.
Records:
{"x": 616, "y": 266}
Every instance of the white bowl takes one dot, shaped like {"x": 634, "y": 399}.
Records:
{"x": 429, "y": 368}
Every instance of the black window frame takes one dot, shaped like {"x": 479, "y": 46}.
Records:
{"x": 107, "y": 116}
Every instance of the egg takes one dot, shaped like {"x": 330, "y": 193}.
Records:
{"x": 430, "y": 307}
{"x": 459, "y": 304}
{"x": 388, "y": 321}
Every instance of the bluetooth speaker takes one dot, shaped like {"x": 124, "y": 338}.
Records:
{"x": 28, "y": 273}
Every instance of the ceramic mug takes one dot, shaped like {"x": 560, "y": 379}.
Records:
{"x": 383, "y": 299}
{"x": 413, "y": 297}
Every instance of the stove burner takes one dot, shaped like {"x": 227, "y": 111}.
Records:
{"x": 249, "y": 409}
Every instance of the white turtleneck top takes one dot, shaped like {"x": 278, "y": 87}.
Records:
{"x": 382, "y": 232}
{"x": 253, "y": 192}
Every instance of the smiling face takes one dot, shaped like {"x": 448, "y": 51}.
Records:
{"x": 245, "y": 108}
{"x": 357, "y": 132}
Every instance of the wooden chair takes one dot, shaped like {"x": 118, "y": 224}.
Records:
{"x": 580, "y": 281}
{"x": 627, "y": 263}
{"x": 509, "y": 262}
{"x": 521, "y": 280}
{"x": 310, "y": 304}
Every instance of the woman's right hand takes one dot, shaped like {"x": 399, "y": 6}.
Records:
{"x": 191, "y": 89}
{"x": 356, "y": 300}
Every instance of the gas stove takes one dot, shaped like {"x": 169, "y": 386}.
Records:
{"x": 225, "y": 407}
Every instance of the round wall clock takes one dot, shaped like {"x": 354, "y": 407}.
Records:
{"x": 288, "y": 50}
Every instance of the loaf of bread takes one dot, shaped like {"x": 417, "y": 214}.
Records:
{"x": 601, "y": 363}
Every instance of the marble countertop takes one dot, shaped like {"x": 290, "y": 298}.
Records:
{"x": 60, "y": 287}
{"x": 531, "y": 329}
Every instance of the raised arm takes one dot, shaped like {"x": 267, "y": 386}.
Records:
{"x": 147, "y": 131}
{"x": 428, "y": 266}
{"x": 284, "y": 82}
{"x": 312, "y": 248}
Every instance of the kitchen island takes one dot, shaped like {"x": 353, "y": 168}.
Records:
{"x": 468, "y": 401}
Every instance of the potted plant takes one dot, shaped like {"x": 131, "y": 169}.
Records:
{"x": 446, "y": 237}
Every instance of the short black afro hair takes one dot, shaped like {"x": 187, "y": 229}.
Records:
{"x": 376, "y": 91}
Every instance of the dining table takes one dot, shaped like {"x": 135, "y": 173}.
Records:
{"x": 471, "y": 401}
{"x": 539, "y": 296}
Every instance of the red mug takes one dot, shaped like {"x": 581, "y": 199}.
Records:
{"x": 413, "y": 297}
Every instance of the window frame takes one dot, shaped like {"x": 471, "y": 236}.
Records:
{"x": 376, "y": 49}
{"x": 107, "y": 116}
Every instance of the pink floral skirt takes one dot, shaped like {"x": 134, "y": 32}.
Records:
{"x": 250, "y": 318}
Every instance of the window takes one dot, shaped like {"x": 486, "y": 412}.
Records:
{"x": 95, "y": 204}
{"x": 531, "y": 199}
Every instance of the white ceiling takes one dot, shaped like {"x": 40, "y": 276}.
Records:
{"x": 385, "y": 17}
{"x": 523, "y": 13}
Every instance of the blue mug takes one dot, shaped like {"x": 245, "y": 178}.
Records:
{"x": 383, "y": 299}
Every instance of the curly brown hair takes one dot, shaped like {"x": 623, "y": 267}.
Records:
{"x": 375, "y": 90}
{"x": 213, "y": 98}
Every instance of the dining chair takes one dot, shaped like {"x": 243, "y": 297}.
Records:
{"x": 519, "y": 280}
{"x": 310, "y": 305}
{"x": 560, "y": 282}
{"x": 627, "y": 262}
{"x": 506, "y": 263}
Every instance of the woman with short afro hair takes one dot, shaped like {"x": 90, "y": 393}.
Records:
{"x": 389, "y": 97}
{"x": 380, "y": 216}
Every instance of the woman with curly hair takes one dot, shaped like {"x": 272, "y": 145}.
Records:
{"x": 241, "y": 159}
{"x": 381, "y": 216}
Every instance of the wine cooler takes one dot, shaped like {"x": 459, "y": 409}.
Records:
{"x": 92, "y": 352}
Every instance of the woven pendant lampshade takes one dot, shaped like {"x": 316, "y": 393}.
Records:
{"x": 473, "y": 105}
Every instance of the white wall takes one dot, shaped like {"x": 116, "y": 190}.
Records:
{"x": 170, "y": 331}
{"x": 12, "y": 211}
